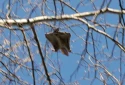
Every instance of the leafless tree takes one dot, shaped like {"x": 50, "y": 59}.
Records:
{"x": 97, "y": 29}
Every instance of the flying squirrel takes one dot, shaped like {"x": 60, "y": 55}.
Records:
{"x": 60, "y": 40}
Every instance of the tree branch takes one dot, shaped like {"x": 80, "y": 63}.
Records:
{"x": 101, "y": 32}
{"x": 40, "y": 51}
{"x": 8, "y": 22}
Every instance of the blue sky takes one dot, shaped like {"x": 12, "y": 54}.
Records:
{"x": 68, "y": 65}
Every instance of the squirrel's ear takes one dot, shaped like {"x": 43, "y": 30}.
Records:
{"x": 53, "y": 40}
{"x": 56, "y": 30}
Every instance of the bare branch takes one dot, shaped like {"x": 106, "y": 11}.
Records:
{"x": 3, "y": 22}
